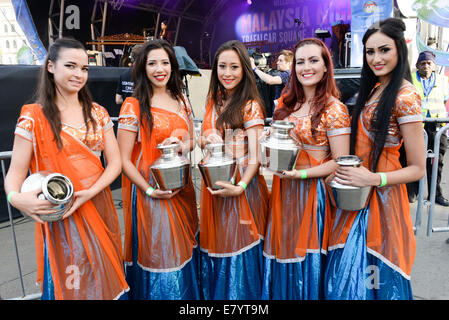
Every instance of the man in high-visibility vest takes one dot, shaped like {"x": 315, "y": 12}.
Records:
{"x": 434, "y": 92}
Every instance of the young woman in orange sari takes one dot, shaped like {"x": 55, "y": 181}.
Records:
{"x": 299, "y": 206}
{"x": 160, "y": 226}
{"x": 80, "y": 256}
{"x": 233, "y": 219}
{"x": 371, "y": 251}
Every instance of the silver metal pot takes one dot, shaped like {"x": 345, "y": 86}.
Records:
{"x": 278, "y": 152}
{"x": 171, "y": 171}
{"x": 348, "y": 197}
{"x": 217, "y": 166}
{"x": 56, "y": 188}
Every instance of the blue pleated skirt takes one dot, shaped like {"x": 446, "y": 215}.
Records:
{"x": 180, "y": 284}
{"x": 299, "y": 278}
{"x": 232, "y": 277}
{"x": 353, "y": 273}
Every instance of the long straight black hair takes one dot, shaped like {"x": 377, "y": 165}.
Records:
{"x": 143, "y": 89}
{"x": 47, "y": 90}
{"x": 393, "y": 28}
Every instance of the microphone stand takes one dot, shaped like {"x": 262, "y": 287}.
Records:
{"x": 298, "y": 22}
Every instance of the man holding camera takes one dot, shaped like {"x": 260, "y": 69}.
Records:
{"x": 280, "y": 79}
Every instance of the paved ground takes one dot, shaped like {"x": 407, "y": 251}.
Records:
{"x": 430, "y": 275}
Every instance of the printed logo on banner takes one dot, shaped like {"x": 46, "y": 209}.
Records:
{"x": 363, "y": 15}
{"x": 370, "y": 7}
{"x": 73, "y": 20}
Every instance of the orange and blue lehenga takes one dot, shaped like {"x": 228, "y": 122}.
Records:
{"x": 299, "y": 209}
{"x": 370, "y": 252}
{"x": 160, "y": 248}
{"x": 80, "y": 257}
{"x": 232, "y": 228}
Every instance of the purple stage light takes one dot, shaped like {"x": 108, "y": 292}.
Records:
{"x": 249, "y": 2}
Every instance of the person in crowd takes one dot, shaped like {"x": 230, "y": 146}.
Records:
{"x": 125, "y": 84}
{"x": 282, "y": 75}
{"x": 78, "y": 257}
{"x": 299, "y": 206}
{"x": 164, "y": 34}
{"x": 371, "y": 251}
{"x": 160, "y": 226}
{"x": 233, "y": 219}
{"x": 434, "y": 92}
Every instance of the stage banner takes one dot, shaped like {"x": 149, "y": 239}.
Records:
{"x": 435, "y": 13}
{"x": 279, "y": 24}
{"x": 25, "y": 21}
{"x": 363, "y": 15}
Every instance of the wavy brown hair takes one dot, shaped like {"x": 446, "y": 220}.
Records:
{"x": 325, "y": 88}
{"x": 47, "y": 90}
{"x": 246, "y": 90}
{"x": 143, "y": 89}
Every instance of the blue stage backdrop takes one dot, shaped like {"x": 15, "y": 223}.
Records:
{"x": 273, "y": 21}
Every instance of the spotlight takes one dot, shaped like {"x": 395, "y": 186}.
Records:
{"x": 249, "y": 2}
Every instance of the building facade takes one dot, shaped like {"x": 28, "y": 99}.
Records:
{"x": 12, "y": 38}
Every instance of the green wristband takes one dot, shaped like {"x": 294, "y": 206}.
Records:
{"x": 303, "y": 173}
{"x": 383, "y": 179}
{"x": 242, "y": 184}
{"x": 10, "y": 194}
{"x": 149, "y": 191}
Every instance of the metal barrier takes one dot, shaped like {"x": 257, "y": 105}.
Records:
{"x": 433, "y": 184}
{"x": 421, "y": 203}
{"x": 5, "y": 156}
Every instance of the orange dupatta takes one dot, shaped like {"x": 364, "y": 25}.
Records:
{"x": 84, "y": 250}
{"x": 166, "y": 228}
{"x": 219, "y": 215}
{"x": 390, "y": 234}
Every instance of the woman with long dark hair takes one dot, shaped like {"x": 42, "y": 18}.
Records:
{"x": 160, "y": 226}
{"x": 371, "y": 251}
{"x": 80, "y": 256}
{"x": 299, "y": 206}
{"x": 233, "y": 218}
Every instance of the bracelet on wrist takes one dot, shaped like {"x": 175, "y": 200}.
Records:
{"x": 149, "y": 191}
{"x": 303, "y": 173}
{"x": 383, "y": 179}
{"x": 254, "y": 69}
{"x": 10, "y": 194}
{"x": 243, "y": 185}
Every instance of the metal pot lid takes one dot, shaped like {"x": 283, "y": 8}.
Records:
{"x": 281, "y": 124}
{"x": 337, "y": 185}
{"x": 349, "y": 160}
{"x": 170, "y": 157}
{"x": 175, "y": 162}
{"x": 217, "y": 157}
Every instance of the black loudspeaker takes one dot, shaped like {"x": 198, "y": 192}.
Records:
{"x": 322, "y": 34}
{"x": 186, "y": 64}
